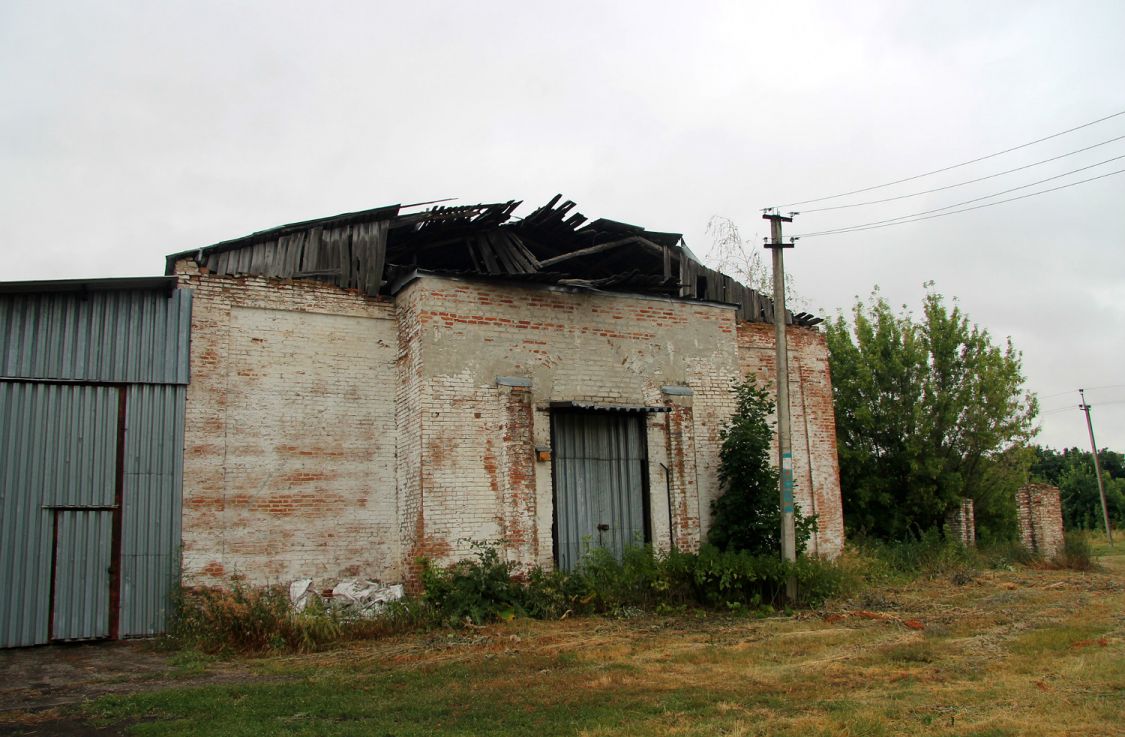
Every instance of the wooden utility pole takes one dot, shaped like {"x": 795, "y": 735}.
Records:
{"x": 784, "y": 433}
{"x": 1097, "y": 465}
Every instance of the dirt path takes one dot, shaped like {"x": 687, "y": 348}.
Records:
{"x": 39, "y": 684}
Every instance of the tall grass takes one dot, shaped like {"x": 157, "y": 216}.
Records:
{"x": 1077, "y": 553}
{"x": 486, "y": 588}
{"x": 248, "y": 620}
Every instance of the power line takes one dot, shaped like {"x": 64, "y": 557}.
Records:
{"x": 961, "y": 184}
{"x": 1088, "y": 388}
{"x": 975, "y": 199}
{"x": 1072, "y": 406}
{"x": 1107, "y": 386}
{"x": 956, "y": 166}
{"x": 1049, "y": 396}
{"x": 857, "y": 228}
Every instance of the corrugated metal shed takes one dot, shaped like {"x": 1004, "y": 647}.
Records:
{"x": 92, "y": 391}
{"x": 130, "y": 336}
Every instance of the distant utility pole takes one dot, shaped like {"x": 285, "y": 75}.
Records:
{"x": 784, "y": 433}
{"x": 1097, "y": 465}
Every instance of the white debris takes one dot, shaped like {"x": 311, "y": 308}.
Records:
{"x": 301, "y": 592}
{"x": 364, "y": 598}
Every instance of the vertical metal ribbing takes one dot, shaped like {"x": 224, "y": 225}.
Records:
{"x": 599, "y": 481}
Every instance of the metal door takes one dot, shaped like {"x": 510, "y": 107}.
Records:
{"x": 83, "y": 555}
{"x": 599, "y": 477}
{"x": 58, "y": 461}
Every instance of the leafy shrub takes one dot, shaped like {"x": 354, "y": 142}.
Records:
{"x": 733, "y": 579}
{"x": 473, "y": 590}
{"x": 747, "y": 515}
{"x": 483, "y": 589}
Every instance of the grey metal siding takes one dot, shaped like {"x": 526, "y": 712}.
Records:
{"x": 84, "y": 544}
{"x": 58, "y": 445}
{"x": 66, "y": 362}
{"x": 150, "y": 534}
{"x": 599, "y": 462}
{"x": 107, "y": 336}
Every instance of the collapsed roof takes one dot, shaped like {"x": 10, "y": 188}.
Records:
{"x": 376, "y": 251}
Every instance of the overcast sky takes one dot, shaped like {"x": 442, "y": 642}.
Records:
{"x": 130, "y": 130}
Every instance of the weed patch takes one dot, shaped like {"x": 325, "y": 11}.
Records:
{"x": 484, "y": 589}
{"x": 254, "y": 620}
{"x": 1076, "y": 554}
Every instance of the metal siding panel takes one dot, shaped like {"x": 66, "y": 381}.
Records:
{"x": 571, "y": 483}
{"x": 57, "y": 447}
{"x": 77, "y": 430}
{"x": 82, "y": 561}
{"x": 25, "y": 554}
{"x": 181, "y": 337}
{"x": 100, "y": 336}
{"x": 599, "y": 479}
{"x": 151, "y": 508}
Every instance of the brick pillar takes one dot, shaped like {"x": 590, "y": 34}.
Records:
{"x": 517, "y": 514}
{"x": 1040, "y": 516}
{"x": 681, "y": 460}
{"x": 960, "y": 524}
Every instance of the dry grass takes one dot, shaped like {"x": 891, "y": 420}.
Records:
{"x": 1009, "y": 653}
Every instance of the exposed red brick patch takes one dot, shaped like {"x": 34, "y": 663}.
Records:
{"x": 214, "y": 569}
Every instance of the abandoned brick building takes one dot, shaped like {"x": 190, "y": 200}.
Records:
{"x": 378, "y": 386}
{"x": 338, "y": 397}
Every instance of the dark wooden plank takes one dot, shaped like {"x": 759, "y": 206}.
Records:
{"x": 357, "y": 270}
{"x": 340, "y": 253}
{"x": 506, "y": 253}
{"x": 575, "y": 221}
{"x": 312, "y": 252}
{"x": 522, "y": 260}
{"x": 496, "y": 245}
{"x": 243, "y": 258}
{"x": 296, "y": 253}
{"x": 378, "y": 257}
{"x": 532, "y": 263}
{"x": 257, "y": 258}
{"x": 477, "y": 261}
{"x": 365, "y": 248}
{"x": 282, "y": 257}
{"x": 490, "y": 262}
{"x": 607, "y": 246}
{"x": 274, "y": 258}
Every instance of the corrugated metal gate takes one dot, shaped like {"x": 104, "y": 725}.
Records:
{"x": 600, "y": 478}
{"x": 92, "y": 390}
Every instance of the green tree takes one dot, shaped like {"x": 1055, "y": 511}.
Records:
{"x": 747, "y": 516}
{"x": 994, "y": 500}
{"x": 1072, "y": 471}
{"x": 927, "y": 412}
{"x": 1082, "y": 502}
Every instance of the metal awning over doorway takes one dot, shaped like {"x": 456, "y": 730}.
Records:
{"x": 596, "y": 407}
